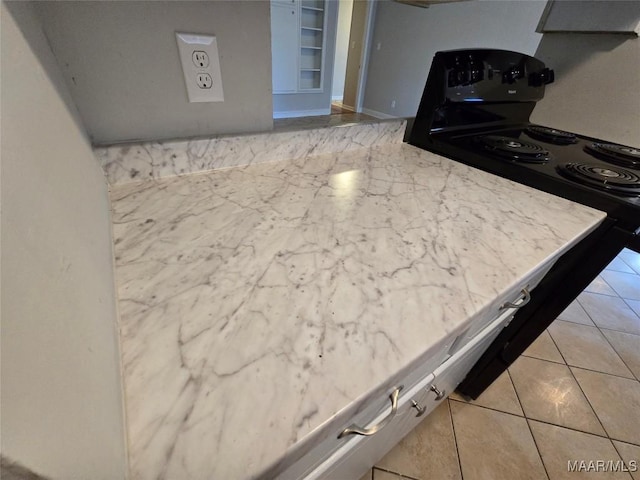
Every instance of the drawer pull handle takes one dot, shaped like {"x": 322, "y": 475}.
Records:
{"x": 417, "y": 406}
{"x": 355, "y": 429}
{"x": 526, "y": 298}
{"x": 439, "y": 394}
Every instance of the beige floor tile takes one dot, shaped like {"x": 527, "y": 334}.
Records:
{"x": 494, "y": 445}
{"x": 500, "y": 396}
{"x": 544, "y": 349}
{"x": 618, "y": 265}
{"x": 429, "y": 451}
{"x": 548, "y": 392}
{"x": 576, "y": 314}
{"x": 600, "y": 286}
{"x": 631, "y": 455}
{"x": 635, "y": 305}
{"x": 631, "y": 258}
{"x": 628, "y": 347}
{"x": 626, "y": 285}
{"x": 615, "y": 400}
{"x": 382, "y": 475}
{"x": 610, "y": 312}
{"x": 585, "y": 347}
{"x": 368, "y": 475}
{"x": 559, "y": 446}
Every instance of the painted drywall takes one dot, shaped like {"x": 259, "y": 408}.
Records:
{"x": 302, "y": 104}
{"x": 597, "y": 86}
{"x": 61, "y": 395}
{"x": 345, "y": 9}
{"x": 121, "y": 64}
{"x": 409, "y": 36}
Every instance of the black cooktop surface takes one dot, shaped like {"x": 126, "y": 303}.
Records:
{"x": 563, "y": 163}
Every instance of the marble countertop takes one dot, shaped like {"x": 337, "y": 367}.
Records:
{"x": 261, "y": 305}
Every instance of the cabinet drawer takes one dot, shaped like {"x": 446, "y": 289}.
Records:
{"x": 356, "y": 457}
{"x": 353, "y": 460}
{"x": 311, "y": 464}
{"x": 500, "y": 306}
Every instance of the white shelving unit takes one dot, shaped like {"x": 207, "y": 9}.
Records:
{"x": 298, "y": 45}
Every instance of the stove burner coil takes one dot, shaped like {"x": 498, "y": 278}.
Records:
{"x": 612, "y": 179}
{"x": 551, "y": 135}
{"x": 515, "y": 149}
{"x": 618, "y": 154}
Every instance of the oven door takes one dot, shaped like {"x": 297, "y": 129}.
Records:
{"x": 565, "y": 281}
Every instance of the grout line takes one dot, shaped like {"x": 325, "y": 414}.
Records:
{"x": 633, "y": 377}
{"x": 455, "y": 438}
{"x": 580, "y": 386}
{"x": 543, "y": 359}
{"x": 537, "y": 448}
{"x": 395, "y": 473}
{"x": 619, "y": 356}
{"x": 513, "y": 385}
{"x": 527, "y": 420}
{"x": 589, "y": 402}
{"x": 620, "y": 455}
{"x": 487, "y": 408}
{"x": 625, "y": 441}
{"x": 546, "y": 422}
{"x": 627, "y": 300}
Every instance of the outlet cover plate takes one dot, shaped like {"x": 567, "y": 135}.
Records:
{"x": 188, "y": 43}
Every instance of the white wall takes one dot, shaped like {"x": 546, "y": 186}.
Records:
{"x": 121, "y": 64}
{"x": 409, "y": 36}
{"x": 61, "y": 395}
{"x": 342, "y": 48}
{"x": 597, "y": 87}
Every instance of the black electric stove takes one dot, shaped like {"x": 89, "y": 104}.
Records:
{"x": 475, "y": 109}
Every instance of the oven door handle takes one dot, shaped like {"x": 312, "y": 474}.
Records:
{"x": 526, "y": 298}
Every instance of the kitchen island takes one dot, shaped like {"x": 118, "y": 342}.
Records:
{"x": 262, "y": 306}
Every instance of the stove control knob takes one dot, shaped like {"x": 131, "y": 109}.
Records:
{"x": 543, "y": 77}
{"x": 514, "y": 73}
{"x": 475, "y": 69}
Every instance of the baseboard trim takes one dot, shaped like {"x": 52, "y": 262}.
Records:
{"x": 380, "y": 115}
{"x": 302, "y": 113}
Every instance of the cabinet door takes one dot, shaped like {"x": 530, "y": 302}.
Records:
{"x": 284, "y": 47}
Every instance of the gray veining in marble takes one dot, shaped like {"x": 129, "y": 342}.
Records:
{"x": 138, "y": 162}
{"x": 262, "y": 305}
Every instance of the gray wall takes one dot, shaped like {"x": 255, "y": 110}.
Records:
{"x": 597, "y": 87}
{"x": 61, "y": 393}
{"x": 409, "y": 37}
{"x": 292, "y": 102}
{"x": 121, "y": 64}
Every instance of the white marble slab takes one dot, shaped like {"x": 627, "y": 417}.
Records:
{"x": 261, "y": 305}
{"x": 138, "y": 162}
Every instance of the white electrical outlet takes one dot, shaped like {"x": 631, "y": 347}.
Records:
{"x": 201, "y": 67}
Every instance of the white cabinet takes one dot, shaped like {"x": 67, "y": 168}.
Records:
{"x": 284, "y": 46}
{"x": 297, "y": 45}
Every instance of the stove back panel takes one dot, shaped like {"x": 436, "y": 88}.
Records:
{"x": 479, "y": 87}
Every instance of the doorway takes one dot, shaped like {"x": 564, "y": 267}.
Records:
{"x": 355, "y": 26}
{"x": 338, "y": 32}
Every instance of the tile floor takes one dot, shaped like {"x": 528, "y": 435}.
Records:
{"x": 573, "y": 395}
